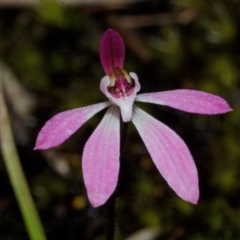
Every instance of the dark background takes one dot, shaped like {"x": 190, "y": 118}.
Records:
{"x": 52, "y": 51}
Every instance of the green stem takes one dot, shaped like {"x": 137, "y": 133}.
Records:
{"x": 16, "y": 175}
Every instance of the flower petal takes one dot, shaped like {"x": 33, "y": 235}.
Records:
{"x": 100, "y": 160}
{"x": 125, "y": 103}
{"x": 112, "y": 51}
{"x": 64, "y": 124}
{"x": 188, "y": 100}
{"x": 170, "y": 155}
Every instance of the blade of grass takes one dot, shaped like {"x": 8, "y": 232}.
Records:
{"x": 16, "y": 175}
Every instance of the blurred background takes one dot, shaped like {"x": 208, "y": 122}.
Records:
{"x": 49, "y": 53}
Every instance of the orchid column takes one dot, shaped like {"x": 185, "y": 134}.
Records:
{"x": 100, "y": 159}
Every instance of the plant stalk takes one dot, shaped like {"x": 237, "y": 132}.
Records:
{"x": 110, "y": 204}
{"x": 16, "y": 175}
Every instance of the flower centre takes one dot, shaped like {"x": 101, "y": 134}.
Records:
{"x": 121, "y": 84}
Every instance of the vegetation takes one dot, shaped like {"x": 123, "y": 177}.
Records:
{"x": 52, "y": 56}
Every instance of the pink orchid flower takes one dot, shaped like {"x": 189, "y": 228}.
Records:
{"x": 100, "y": 159}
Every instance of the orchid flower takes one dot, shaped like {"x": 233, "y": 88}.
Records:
{"x": 100, "y": 159}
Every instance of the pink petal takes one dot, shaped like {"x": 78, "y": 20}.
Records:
{"x": 125, "y": 103}
{"x": 64, "y": 124}
{"x": 100, "y": 160}
{"x": 170, "y": 155}
{"x": 112, "y": 51}
{"x": 188, "y": 100}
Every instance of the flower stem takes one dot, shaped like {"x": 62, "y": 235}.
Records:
{"x": 110, "y": 204}
{"x": 110, "y": 217}
{"x": 16, "y": 174}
